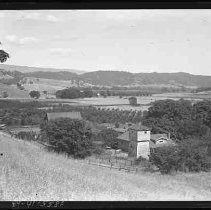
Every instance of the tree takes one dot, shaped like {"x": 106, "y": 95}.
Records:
{"x": 19, "y": 86}
{"x": 166, "y": 159}
{"x": 87, "y": 92}
{"x": 34, "y": 94}
{"x": 108, "y": 137}
{"x": 69, "y": 136}
{"x": 133, "y": 101}
{"x": 3, "y": 56}
{"x": 194, "y": 155}
{"x": 69, "y": 93}
{"x": 103, "y": 93}
{"x": 189, "y": 155}
{"x": 5, "y": 94}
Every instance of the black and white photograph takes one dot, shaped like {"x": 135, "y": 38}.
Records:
{"x": 105, "y": 105}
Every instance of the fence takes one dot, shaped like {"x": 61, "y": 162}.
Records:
{"x": 113, "y": 162}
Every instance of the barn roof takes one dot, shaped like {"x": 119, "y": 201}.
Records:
{"x": 71, "y": 115}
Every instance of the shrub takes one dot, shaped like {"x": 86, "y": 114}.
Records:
{"x": 5, "y": 94}
{"x": 194, "y": 156}
{"x": 69, "y": 136}
{"x": 109, "y": 138}
{"x": 133, "y": 101}
{"x": 190, "y": 155}
{"x": 166, "y": 159}
{"x": 34, "y": 94}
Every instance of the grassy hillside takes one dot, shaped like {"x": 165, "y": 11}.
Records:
{"x": 13, "y": 92}
{"x": 41, "y": 84}
{"x": 29, "y": 173}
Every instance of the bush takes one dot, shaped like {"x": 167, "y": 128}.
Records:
{"x": 69, "y": 136}
{"x": 166, "y": 159}
{"x": 133, "y": 101}
{"x": 109, "y": 138}
{"x": 34, "y": 94}
{"x": 194, "y": 156}
{"x": 5, "y": 94}
{"x": 190, "y": 155}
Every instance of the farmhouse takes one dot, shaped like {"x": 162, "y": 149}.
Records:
{"x": 138, "y": 141}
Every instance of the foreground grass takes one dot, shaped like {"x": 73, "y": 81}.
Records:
{"x": 29, "y": 173}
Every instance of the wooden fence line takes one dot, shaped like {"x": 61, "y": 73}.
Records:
{"x": 109, "y": 164}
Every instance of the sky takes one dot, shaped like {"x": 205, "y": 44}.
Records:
{"x": 126, "y": 40}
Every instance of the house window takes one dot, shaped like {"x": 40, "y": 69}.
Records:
{"x": 145, "y": 132}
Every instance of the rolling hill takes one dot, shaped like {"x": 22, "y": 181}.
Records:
{"x": 106, "y": 78}
{"x": 26, "y": 69}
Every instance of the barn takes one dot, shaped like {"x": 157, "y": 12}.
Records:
{"x": 56, "y": 115}
{"x": 94, "y": 127}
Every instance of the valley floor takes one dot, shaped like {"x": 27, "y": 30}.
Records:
{"x": 27, "y": 172}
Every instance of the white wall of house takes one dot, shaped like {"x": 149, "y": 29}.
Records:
{"x": 143, "y": 136}
{"x": 143, "y": 149}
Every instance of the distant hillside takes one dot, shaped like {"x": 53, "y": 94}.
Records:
{"x": 173, "y": 78}
{"x": 10, "y": 74}
{"x": 108, "y": 78}
{"x": 60, "y": 75}
{"x": 126, "y": 78}
{"x": 26, "y": 69}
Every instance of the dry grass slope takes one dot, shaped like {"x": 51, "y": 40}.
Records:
{"x": 29, "y": 173}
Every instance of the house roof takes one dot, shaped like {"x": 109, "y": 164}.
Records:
{"x": 139, "y": 127}
{"x": 157, "y": 136}
{"x": 71, "y": 115}
{"x": 169, "y": 142}
{"x": 120, "y": 130}
{"x": 110, "y": 125}
{"x": 124, "y": 136}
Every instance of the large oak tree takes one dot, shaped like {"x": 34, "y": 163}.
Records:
{"x": 3, "y": 56}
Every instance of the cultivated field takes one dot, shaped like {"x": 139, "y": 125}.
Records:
{"x": 114, "y": 102}
{"x": 30, "y": 173}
